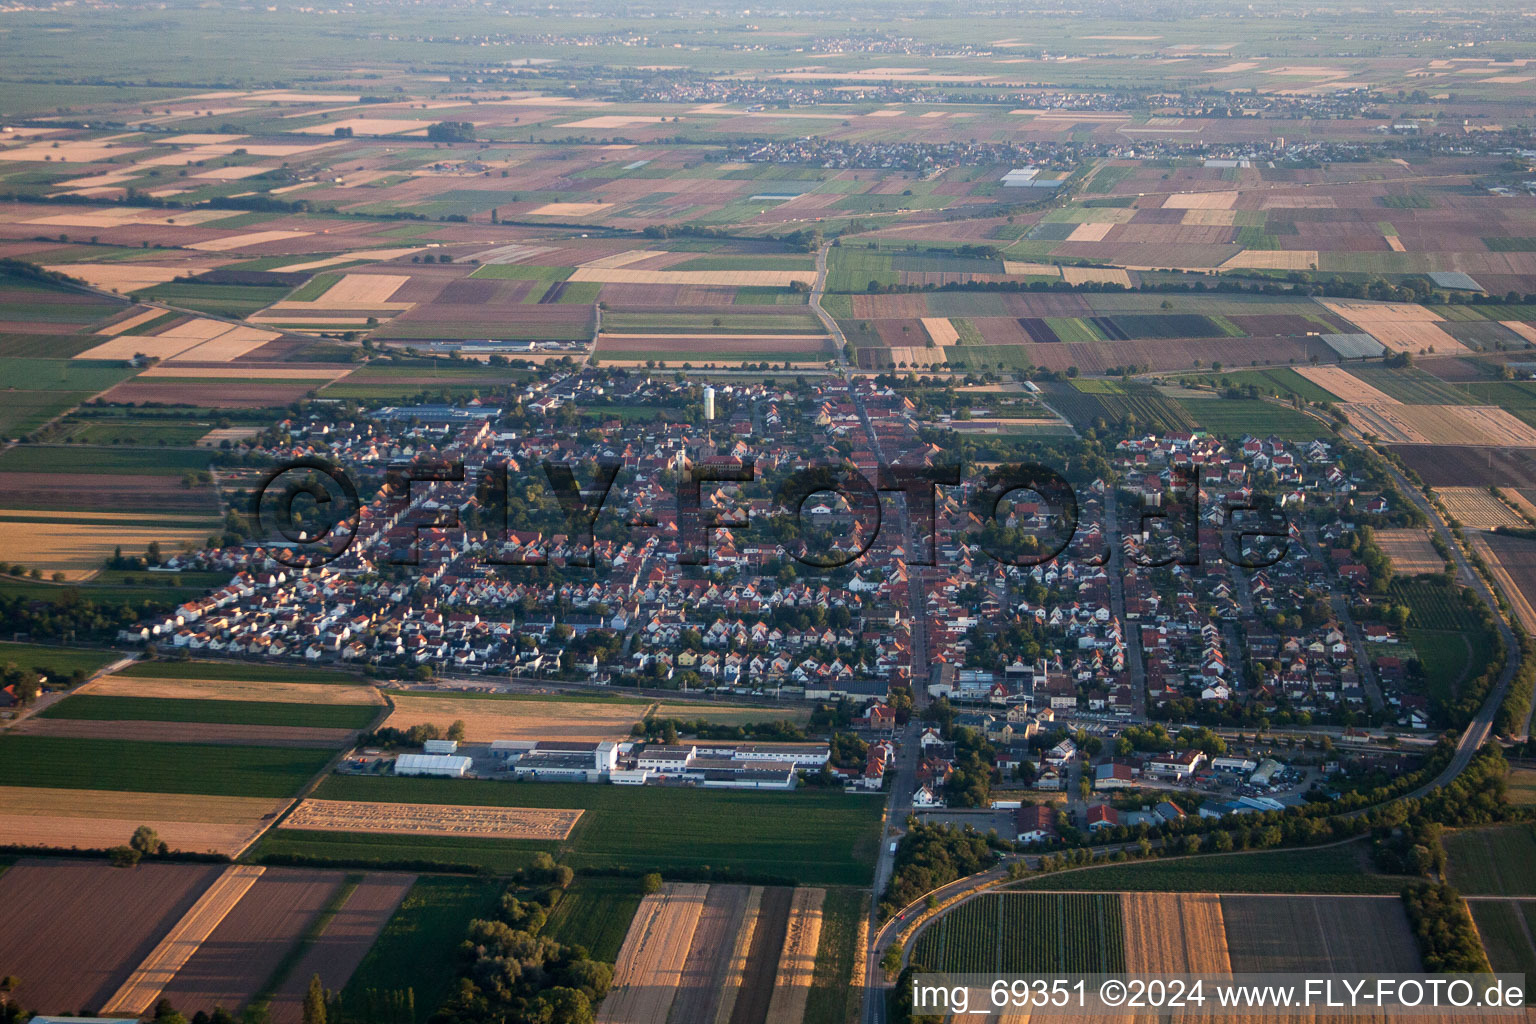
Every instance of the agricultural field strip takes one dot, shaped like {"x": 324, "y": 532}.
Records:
{"x": 150, "y": 978}
{"x": 797, "y": 961}
{"x": 651, "y": 961}
{"x": 736, "y": 967}
{"x": 1519, "y": 601}
{"x": 1474, "y": 507}
{"x": 1345, "y": 385}
{"x": 433, "y": 819}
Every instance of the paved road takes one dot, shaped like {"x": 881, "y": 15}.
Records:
{"x": 817, "y": 291}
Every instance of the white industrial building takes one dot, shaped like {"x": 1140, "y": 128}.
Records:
{"x": 447, "y": 765}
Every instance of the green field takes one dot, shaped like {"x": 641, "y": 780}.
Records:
{"x": 1434, "y": 606}
{"x": 1235, "y": 417}
{"x": 1499, "y": 861}
{"x": 128, "y": 766}
{"x": 80, "y": 459}
{"x": 238, "y": 672}
{"x": 812, "y": 837}
{"x": 63, "y": 374}
{"x": 1503, "y": 926}
{"x": 1444, "y": 658}
{"x": 1336, "y": 869}
{"x": 1027, "y": 933}
{"x": 89, "y": 707}
{"x": 55, "y": 662}
{"x": 595, "y": 913}
{"x": 1283, "y": 383}
{"x": 228, "y": 300}
{"x": 418, "y": 950}
{"x": 834, "y": 996}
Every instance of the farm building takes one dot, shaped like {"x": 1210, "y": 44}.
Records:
{"x": 446, "y": 765}
{"x": 440, "y": 747}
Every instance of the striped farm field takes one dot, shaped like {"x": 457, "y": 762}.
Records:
{"x": 1478, "y": 509}
{"x": 1344, "y": 385}
{"x": 278, "y": 690}
{"x": 1410, "y": 551}
{"x": 1027, "y": 933}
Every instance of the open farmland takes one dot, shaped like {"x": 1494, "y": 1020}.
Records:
{"x": 595, "y": 913}
{"x": 1512, "y": 563}
{"x": 157, "y": 768}
{"x": 54, "y": 916}
{"x": 342, "y": 942}
{"x": 1440, "y": 424}
{"x": 700, "y": 988}
{"x": 1342, "y": 870}
{"x": 163, "y": 963}
{"x": 814, "y": 838}
{"x": 650, "y": 965}
{"x": 1410, "y": 551}
{"x": 1026, "y": 933}
{"x": 99, "y": 707}
{"x": 1505, "y": 928}
{"x": 797, "y": 960}
{"x": 432, "y": 820}
{"x": 235, "y": 960}
{"x": 1498, "y": 861}
{"x": 1175, "y": 933}
{"x": 1477, "y": 509}
{"x": 487, "y": 718}
{"x": 1314, "y": 934}
{"x": 98, "y": 819}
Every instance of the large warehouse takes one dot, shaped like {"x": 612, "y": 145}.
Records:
{"x": 448, "y": 765}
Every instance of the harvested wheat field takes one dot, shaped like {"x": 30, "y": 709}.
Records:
{"x": 1519, "y": 601}
{"x": 487, "y": 719}
{"x": 54, "y": 917}
{"x": 1400, "y": 326}
{"x": 1394, "y": 243}
{"x": 623, "y": 259}
{"x": 1090, "y": 232}
{"x": 1201, "y": 201}
{"x": 568, "y": 209}
{"x": 363, "y": 291}
{"x": 797, "y": 962}
{"x": 91, "y": 819}
{"x": 650, "y": 966}
{"x": 230, "y": 689}
{"x": 1475, "y": 508}
{"x": 170, "y": 342}
{"x": 1523, "y": 505}
{"x": 708, "y": 969}
{"x": 140, "y": 316}
{"x": 1409, "y": 551}
{"x": 349, "y": 257}
{"x": 1470, "y": 425}
{"x": 149, "y": 979}
{"x": 232, "y": 344}
{"x": 1526, "y": 331}
{"x": 1095, "y": 275}
{"x": 241, "y": 372}
{"x": 1344, "y": 385}
{"x": 433, "y": 819}
{"x": 1273, "y": 259}
{"x": 1174, "y": 933}
{"x": 246, "y": 241}
{"x": 940, "y": 330}
{"x": 1043, "y": 269}
{"x": 78, "y": 551}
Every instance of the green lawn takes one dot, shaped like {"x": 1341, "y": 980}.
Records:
{"x": 89, "y": 707}
{"x": 1335, "y": 869}
{"x": 418, "y": 950}
{"x": 595, "y": 913}
{"x": 813, "y": 837}
{"x": 1498, "y": 861}
{"x": 127, "y": 766}
{"x": 55, "y": 662}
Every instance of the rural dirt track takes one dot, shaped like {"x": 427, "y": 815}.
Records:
{"x": 705, "y": 972}
{"x": 343, "y": 944}
{"x": 54, "y": 916}
{"x": 151, "y": 977}
{"x": 651, "y": 961}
